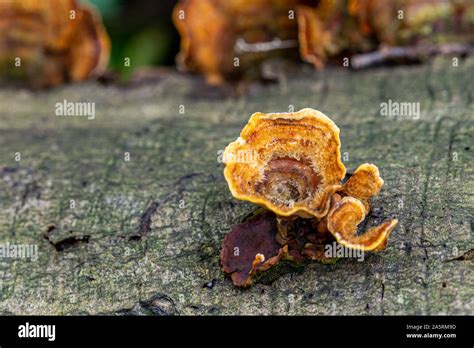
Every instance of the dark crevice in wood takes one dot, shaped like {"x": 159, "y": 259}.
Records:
{"x": 144, "y": 225}
{"x": 67, "y": 243}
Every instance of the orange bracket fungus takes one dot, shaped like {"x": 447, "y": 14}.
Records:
{"x": 290, "y": 163}
{"x": 45, "y": 43}
{"x": 228, "y": 39}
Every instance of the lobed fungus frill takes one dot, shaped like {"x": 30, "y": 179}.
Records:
{"x": 342, "y": 222}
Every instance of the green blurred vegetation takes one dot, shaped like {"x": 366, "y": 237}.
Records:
{"x": 140, "y": 30}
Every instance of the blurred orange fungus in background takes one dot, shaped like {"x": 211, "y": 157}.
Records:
{"x": 223, "y": 39}
{"x": 48, "y": 42}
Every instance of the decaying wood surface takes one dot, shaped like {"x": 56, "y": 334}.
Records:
{"x": 143, "y": 236}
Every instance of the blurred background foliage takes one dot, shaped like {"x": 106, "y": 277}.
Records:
{"x": 141, "y": 30}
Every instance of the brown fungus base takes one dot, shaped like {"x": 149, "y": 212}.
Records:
{"x": 250, "y": 252}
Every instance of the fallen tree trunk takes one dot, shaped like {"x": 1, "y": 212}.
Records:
{"x": 128, "y": 210}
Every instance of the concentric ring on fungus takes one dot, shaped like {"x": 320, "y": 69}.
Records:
{"x": 287, "y": 162}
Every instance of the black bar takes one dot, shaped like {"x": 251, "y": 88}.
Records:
{"x": 332, "y": 330}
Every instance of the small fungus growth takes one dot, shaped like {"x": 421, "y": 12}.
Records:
{"x": 290, "y": 163}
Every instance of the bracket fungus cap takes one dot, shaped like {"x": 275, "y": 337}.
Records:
{"x": 288, "y": 162}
